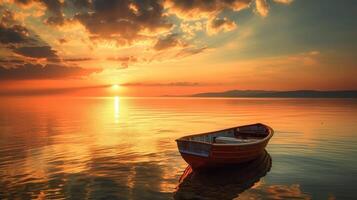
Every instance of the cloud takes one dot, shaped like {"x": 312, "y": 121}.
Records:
{"x": 26, "y": 47}
{"x": 217, "y": 25}
{"x": 81, "y": 3}
{"x": 194, "y": 9}
{"x": 190, "y": 28}
{"x": 7, "y": 17}
{"x": 284, "y": 1}
{"x": 62, "y": 40}
{"x": 30, "y": 71}
{"x": 37, "y": 52}
{"x": 76, "y": 59}
{"x": 189, "y": 51}
{"x": 125, "y": 61}
{"x": 171, "y": 84}
{"x": 122, "y": 20}
{"x": 13, "y": 35}
{"x": 48, "y": 91}
{"x": 262, "y": 7}
{"x": 13, "y": 61}
{"x": 167, "y": 42}
{"x": 54, "y": 10}
{"x": 23, "y": 1}
{"x": 21, "y": 40}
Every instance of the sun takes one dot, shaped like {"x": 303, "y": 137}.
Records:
{"x": 115, "y": 86}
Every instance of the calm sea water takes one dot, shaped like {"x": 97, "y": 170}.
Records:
{"x": 124, "y": 148}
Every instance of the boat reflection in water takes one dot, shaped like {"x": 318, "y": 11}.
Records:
{"x": 224, "y": 182}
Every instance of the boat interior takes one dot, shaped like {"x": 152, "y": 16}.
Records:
{"x": 236, "y": 135}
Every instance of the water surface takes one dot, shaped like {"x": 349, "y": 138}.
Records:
{"x": 124, "y": 148}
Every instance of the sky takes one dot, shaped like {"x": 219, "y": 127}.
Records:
{"x": 176, "y": 47}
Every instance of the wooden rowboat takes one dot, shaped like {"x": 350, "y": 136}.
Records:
{"x": 228, "y": 146}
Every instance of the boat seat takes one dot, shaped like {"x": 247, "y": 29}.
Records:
{"x": 231, "y": 140}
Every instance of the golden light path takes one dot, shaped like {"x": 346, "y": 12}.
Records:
{"x": 116, "y": 109}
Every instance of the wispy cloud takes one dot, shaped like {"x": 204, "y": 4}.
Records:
{"x": 262, "y": 7}
{"x": 284, "y": 1}
{"x": 48, "y": 91}
{"x": 169, "y": 41}
{"x": 170, "y": 84}
{"x": 124, "y": 61}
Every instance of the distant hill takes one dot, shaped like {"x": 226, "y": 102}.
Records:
{"x": 281, "y": 94}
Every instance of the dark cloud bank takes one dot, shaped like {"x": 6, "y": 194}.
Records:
{"x": 26, "y": 48}
{"x": 123, "y": 21}
{"x": 126, "y": 21}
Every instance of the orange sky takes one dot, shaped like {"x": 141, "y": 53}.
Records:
{"x": 170, "y": 47}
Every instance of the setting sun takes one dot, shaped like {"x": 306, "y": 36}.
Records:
{"x": 115, "y": 87}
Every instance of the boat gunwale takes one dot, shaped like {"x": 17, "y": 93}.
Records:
{"x": 271, "y": 133}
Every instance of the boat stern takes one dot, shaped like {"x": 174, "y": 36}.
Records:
{"x": 196, "y": 154}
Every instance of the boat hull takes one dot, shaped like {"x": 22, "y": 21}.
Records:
{"x": 225, "y": 155}
{"x": 198, "y": 152}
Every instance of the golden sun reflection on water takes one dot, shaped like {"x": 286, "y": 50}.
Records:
{"x": 116, "y": 109}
